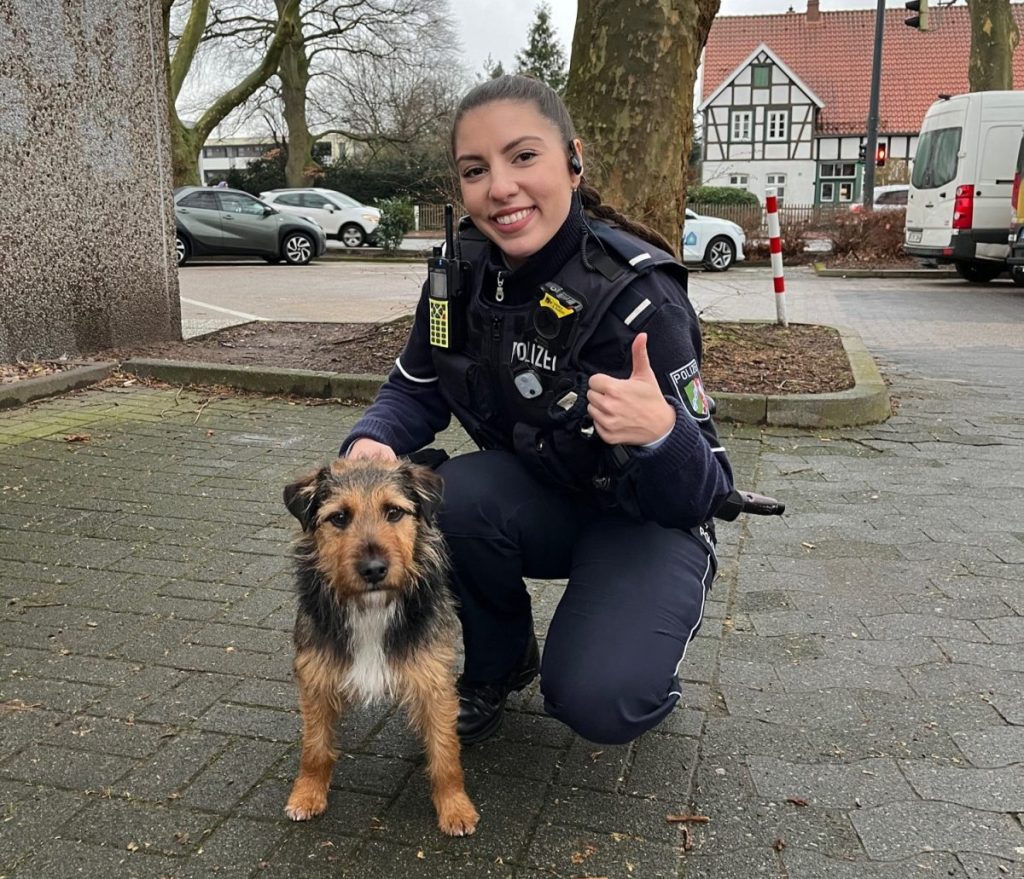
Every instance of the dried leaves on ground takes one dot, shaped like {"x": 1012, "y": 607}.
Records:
{"x": 738, "y": 357}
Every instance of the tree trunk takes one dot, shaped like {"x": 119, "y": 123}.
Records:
{"x": 634, "y": 64}
{"x": 184, "y": 154}
{"x": 187, "y": 142}
{"x": 994, "y": 36}
{"x": 293, "y": 71}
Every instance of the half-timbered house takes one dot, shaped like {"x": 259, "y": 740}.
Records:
{"x": 785, "y": 98}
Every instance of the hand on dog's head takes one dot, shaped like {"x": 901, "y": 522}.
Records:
{"x": 304, "y": 497}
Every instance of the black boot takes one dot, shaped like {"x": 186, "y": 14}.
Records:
{"x": 481, "y": 705}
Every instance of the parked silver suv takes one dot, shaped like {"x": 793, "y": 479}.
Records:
{"x": 340, "y": 215}
{"x": 231, "y": 222}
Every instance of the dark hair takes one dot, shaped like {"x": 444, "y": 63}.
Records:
{"x": 526, "y": 89}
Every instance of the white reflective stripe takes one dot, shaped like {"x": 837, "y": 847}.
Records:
{"x": 717, "y": 449}
{"x": 700, "y": 616}
{"x": 635, "y": 313}
{"x": 639, "y": 258}
{"x": 412, "y": 378}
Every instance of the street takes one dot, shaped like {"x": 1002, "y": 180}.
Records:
{"x": 935, "y": 322}
{"x": 853, "y": 706}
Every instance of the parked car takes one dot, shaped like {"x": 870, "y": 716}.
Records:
{"x": 714, "y": 243}
{"x": 891, "y": 197}
{"x": 962, "y": 178}
{"x": 1016, "y": 258}
{"x": 341, "y": 216}
{"x": 231, "y": 222}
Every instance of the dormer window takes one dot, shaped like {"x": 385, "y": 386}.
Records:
{"x": 761, "y": 75}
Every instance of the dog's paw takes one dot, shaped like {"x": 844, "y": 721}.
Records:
{"x": 456, "y": 816}
{"x": 305, "y": 804}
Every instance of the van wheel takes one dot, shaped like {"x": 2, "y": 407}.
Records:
{"x": 979, "y": 272}
{"x": 1018, "y": 275}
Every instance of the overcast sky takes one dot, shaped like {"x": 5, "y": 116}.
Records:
{"x": 499, "y": 27}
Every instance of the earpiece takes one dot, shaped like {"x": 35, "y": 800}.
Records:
{"x": 574, "y": 160}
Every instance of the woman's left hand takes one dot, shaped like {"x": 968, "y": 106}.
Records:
{"x": 630, "y": 411}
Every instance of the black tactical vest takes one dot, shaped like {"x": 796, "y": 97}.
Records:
{"x": 513, "y": 387}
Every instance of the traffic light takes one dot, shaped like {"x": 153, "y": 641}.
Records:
{"x": 880, "y": 155}
{"x": 920, "y": 20}
{"x": 862, "y": 155}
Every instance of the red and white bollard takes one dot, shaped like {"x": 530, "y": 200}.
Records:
{"x": 771, "y": 205}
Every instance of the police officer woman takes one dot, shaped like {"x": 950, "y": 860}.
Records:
{"x": 571, "y": 356}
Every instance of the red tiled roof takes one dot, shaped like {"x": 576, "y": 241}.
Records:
{"x": 833, "y": 58}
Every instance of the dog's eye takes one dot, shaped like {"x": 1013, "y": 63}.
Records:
{"x": 393, "y": 514}
{"x": 339, "y": 519}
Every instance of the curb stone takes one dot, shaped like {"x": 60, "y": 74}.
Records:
{"x": 866, "y": 403}
{"x": 25, "y": 391}
{"x": 942, "y": 274}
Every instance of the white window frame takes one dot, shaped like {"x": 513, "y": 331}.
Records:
{"x": 739, "y": 180}
{"x": 828, "y": 191}
{"x": 742, "y": 121}
{"x": 779, "y": 182}
{"x": 777, "y": 126}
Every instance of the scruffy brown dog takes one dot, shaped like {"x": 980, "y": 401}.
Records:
{"x": 375, "y": 620}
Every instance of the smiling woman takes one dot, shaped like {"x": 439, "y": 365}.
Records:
{"x": 578, "y": 376}
{"x": 516, "y": 193}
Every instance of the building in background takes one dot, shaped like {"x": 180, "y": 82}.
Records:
{"x": 223, "y": 154}
{"x": 785, "y": 97}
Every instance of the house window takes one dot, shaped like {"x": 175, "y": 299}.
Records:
{"x": 779, "y": 182}
{"x": 741, "y": 125}
{"x": 837, "y": 182}
{"x": 738, "y": 180}
{"x": 216, "y": 152}
{"x": 778, "y": 125}
{"x": 762, "y": 75}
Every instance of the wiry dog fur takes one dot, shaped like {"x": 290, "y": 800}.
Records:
{"x": 375, "y": 620}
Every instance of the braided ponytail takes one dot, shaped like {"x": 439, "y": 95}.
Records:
{"x": 594, "y": 207}
{"x": 526, "y": 89}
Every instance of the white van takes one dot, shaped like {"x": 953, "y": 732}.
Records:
{"x": 961, "y": 182}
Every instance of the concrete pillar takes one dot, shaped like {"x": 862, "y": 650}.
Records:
{"x": 86, "y": 218}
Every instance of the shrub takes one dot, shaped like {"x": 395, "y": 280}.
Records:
{"x": 262, "y": 174}
{"x": 720, "y": 195}
{"x": 794, "y": 244}
{"x": 869, "y": 237}
{"x": 396, "y": 219}
{"x": 417, "y": 177}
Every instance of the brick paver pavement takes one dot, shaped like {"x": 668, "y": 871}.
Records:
{"x": 853, "y": 707}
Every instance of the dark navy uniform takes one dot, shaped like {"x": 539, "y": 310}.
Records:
{"x": 546, "y": 497}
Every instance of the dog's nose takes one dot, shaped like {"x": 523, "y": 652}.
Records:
{"x": 373, "y": 570}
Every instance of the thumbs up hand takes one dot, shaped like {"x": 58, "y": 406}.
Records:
{"x": 630, "y": 411}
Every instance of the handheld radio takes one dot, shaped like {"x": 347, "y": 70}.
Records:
{"x": 444, "y": 271}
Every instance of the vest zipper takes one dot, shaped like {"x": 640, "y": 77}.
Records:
{"x": 499, "y": 293}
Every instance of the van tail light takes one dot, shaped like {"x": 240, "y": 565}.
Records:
{"x": 1016, "y": 191}
{"x": 963, "y": 207}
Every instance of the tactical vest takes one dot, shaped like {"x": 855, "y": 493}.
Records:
{"x": 512, "y": 392}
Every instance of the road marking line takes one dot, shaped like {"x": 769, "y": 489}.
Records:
{"x": 222, "y": 310}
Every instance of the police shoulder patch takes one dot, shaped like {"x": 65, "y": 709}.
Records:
{"x": 690, "y": 390}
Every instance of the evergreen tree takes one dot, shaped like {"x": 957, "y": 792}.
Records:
{"x": 492, "y": 69}
{"x": 544, "y": 57}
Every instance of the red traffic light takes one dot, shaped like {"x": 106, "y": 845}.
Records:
{"x": 880, "y": 155}
{"x": 920, "y": 20}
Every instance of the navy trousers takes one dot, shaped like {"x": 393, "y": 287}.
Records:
{"x": 634, "y": 599}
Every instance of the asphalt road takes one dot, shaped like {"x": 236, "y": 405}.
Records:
{"x": 936, "y": 322}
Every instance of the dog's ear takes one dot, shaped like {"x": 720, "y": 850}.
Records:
{"x": 425, "y": 488}
{"x": 302, "y": 498}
